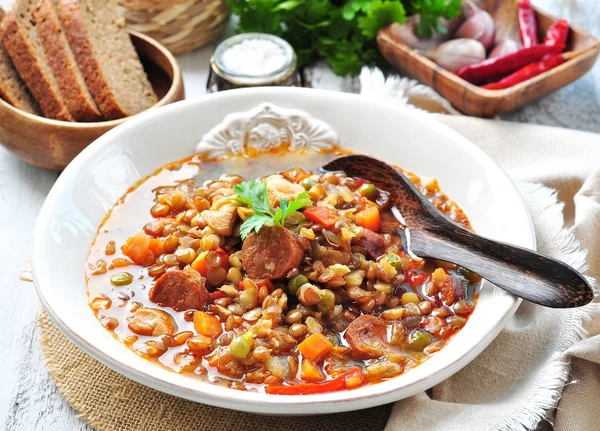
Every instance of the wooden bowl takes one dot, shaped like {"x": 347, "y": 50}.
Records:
{"x": 473, "y": 100}
{"x": 52, "y": 144}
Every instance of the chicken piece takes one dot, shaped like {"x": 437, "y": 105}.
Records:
{"x": 277, "y": 187}
{"x": 221, "y": 221}
{"x": 150, "y": 321}
{"x": 222, "y": 192}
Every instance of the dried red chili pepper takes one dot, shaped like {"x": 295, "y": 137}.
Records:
{"x": 527, "y": 24}
{"x": 557, "y": 33}
{"x": 528, "y": 72}
{"x": 498, "y": 67}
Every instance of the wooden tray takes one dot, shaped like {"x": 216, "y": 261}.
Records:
{"x": 473, "y": 100}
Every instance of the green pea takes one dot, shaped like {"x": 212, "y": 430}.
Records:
{"x": 334, "y": 340}
{"x": 307, "y": 183}
{"x": 418, "y": 339}
{"x": 327, "y": 303}
{"x": 295, "y": 283}
{"x": 368, "y": 190}
{"x": 239, "y": 347}
{"x": 121, "y": 279}
{"x": 394, "y": 260}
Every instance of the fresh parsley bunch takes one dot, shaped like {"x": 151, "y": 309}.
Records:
{"x": 254, "y": 194}
{"x": 343, "y": 33}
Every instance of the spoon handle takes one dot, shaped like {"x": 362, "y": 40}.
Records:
{"x": 525, "y": 273}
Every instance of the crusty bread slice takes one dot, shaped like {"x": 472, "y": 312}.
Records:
{"x": 22, "y": 44}
{"x": 109, "y": 63}
{"x": 12, "y": 88}
{"x": 73, "y": 89}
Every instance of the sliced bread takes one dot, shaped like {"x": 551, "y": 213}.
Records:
{"x": 73, "y": 89}
{"x": 104, "y": 52}
{"x": 12, "y": 88}
{"x": 20, "y": 39}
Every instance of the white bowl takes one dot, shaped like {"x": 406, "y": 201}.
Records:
{"x": 103, "y": 172}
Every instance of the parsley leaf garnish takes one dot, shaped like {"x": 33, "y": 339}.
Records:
{"x": 254, "y": 222}
{"x": 379, "y": 15}
{"x": 254, "y": 194}
{"x": 287, "y": 208}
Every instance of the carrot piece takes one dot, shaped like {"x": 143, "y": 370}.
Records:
{"x": 323, "y": 216}
{"x": 309, "y": 372}
{"x": 156, "y": 246}
{"x": 207, "y": 324}
{"x": 199, "y": 264}
{"x": 351, "y": 379}
{"x": 369, "y": 218}
{"x": 137, "y": 248}
{"x": 315, "y": 346}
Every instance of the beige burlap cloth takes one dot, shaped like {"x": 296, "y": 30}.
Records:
{"x": 545, "y": 364}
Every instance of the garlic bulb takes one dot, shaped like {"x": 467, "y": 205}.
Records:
{"x": 456, "y": 54}
{"x": 479, "y": 25}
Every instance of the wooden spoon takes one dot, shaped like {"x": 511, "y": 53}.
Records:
{"x": 430, "y": 233}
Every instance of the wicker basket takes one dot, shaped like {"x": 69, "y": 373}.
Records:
{"x": 180, "y": 25}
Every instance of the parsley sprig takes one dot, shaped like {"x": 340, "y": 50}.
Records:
{"x": 254, "y": 194}
{"x": 341, "y": 32}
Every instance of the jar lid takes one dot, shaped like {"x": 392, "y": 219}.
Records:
{"x": 254, "y": 59}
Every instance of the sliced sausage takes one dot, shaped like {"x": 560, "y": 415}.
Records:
{"x": 366, "y": 336}
{"x": 271, "y": 253}
{"x": 150, "y": 321}
{"x": 179, "y": 290}
{"x": 372, "y": 242}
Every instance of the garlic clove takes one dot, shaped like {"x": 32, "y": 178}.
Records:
{"x": 457, "y": 53}
{"x": 479, "y": 25}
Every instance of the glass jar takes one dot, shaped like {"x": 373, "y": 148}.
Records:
{"x": 253, "y": 60}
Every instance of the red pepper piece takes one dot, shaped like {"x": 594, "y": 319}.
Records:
{"x": 527, "y": 24}
{"x": 414, "y": 278}
{"x": 265, "y": 282}
{"x": 348, "y": 380}
{"x": 494, "y": 68}
{"x": 323, "y": 216}
{"x": 528, "y": 72}
{"x": 557, "y": 33}
{"x": 217, "y": 294}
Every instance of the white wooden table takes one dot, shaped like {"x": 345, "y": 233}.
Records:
{"x": 28, "y": 399}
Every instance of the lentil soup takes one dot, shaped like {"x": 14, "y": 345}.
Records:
{"x": 294, "y": 282}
